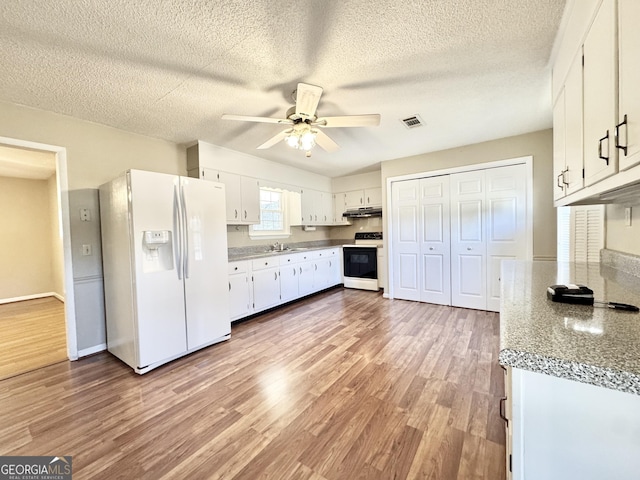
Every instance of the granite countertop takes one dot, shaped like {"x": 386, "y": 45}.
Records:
{"x": 598, "y": 346}
{"x": 248, "y": 253}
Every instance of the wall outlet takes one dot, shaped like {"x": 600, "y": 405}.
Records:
{"x": 85, "y": 215}
{"x": 86, "y": 249}
{"x": 627, "y": 216}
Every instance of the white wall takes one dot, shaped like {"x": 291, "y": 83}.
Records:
{"x": 619, "y": 236}
{"x": 537, "y": 144}
{"x": 356, "y": 182}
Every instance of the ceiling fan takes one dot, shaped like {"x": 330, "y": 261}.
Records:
{"x": 302, "y": 132}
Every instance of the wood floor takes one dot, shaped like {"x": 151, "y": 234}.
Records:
{"x": 32, "y": 335}
{"x": 345, "y": 385}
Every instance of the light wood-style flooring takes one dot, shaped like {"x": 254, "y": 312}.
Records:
{"x": 344, "y": 385}
{"x": 32, "y": 335}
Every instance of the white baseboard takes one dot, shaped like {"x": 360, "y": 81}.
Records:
{"x": 91, "y": 350}
{"x": 32, "y": 297}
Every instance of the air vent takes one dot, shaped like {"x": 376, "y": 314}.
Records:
{"x": 412, "y": 122}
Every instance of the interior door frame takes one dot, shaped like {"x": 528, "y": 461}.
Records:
{"x": 526, "y": 160}
{"x": 63, "y": 202}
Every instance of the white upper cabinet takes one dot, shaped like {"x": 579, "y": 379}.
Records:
{"x": 317, "y": 207}
{"x": 629, "y": 83}
{"x": 609, "y": 107}
{"x": 369, "y": 197}
{"x": 600, "y": 101}
{"x": 243, "y": 198}
{"x": 568, "y": 159}
{"x": 339, "y": 207}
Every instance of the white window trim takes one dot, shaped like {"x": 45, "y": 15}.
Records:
{"x": 270, "y": 234}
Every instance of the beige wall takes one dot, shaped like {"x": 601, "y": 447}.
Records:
{"x": 238, "y": 236}
{"x": 57, "y": 259}
{"x": 537, "y": 144}
{"x": 619, "y": 236}
{"x": 95, "y": 153}
{"x": 25, "y": 243}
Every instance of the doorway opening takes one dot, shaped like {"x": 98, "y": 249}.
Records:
{"x": 37, "y": 278}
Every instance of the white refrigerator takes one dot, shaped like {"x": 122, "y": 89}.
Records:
{"x": 165, "y": 266}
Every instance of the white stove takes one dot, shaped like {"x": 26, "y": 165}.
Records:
{"x": 361, "y": 264}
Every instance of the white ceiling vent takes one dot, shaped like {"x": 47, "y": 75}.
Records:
{"x": 412, "y": 122}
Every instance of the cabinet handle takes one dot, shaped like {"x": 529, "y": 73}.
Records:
{"x": 361, "y": 202}
{"x": 564, "y": 172}
{"x": 430, "y": 248}
{"x": 469, "y": 248}
{"x": 316, "y": 218}
{"x": 501, "y": 409}
{"x": 245, "y": 214}
{"x": 294, "y": 271}
{"x": 316, "y": 265}
{"x": 368, "y": 201}
{"x": 229, "y": 286}
{"x": 560, "y": 185}
{"x": 606, "y": 137}
{"x": 236, "y": 213}
{"x": 300, "y": 270}
{"x": 626, "y": 133}
{"x": 276, "y": 275}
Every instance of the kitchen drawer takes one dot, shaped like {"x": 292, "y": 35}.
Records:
{"x": 326, "y": 253}
{"x": 265, "y": 262}
{"x": 290, "y": 259}
{"x": 238, "y": 267}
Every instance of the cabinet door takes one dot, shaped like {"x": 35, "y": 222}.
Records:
{"x": 266, "y": 289}
{"x": 239, "y": 296}
{"x": 250, "y": 200}
{"x": 321, "y": 273}
{"x": 305, "y": 278}
{"x": 373, "y": 197}
{"x": 600, "y": 98}
{"x": 354, "y": 199}
{"x": 309, "y": 206}
{"x": 209, "y": 174}
{"x": 325, "y": 212}
{"x": 233, "y": 196}
{"x": 335, "y": 267}
{"x": 573, "y": 178}
{"x": 629, "y": 71}
{"x": 289, "y": 282}
{"x": 435, "y": 250}
{"x": 468, "y": 244}
{"x": 339, "y": 207}
{"x": 559, "y": 147}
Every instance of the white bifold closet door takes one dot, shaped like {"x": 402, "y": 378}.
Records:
{"x": 406, "y": 245}
{"x": 421, "y": 240}
{"x": 435, "y": 244}
{"x": 488, "y": 225}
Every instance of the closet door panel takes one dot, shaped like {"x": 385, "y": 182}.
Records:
{"x": 468, "y": 244}
{"x": 435, "y": 244}
{"x": 506, "y": 224}
{"x": 405, "y": 239}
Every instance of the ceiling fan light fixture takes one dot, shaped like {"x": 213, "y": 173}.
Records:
{"x": 302, "y": 137}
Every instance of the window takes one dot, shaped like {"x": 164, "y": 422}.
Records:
{"x": 273, "y": 215}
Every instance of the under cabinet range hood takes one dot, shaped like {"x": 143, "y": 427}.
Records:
{"x": 363, "y": 212}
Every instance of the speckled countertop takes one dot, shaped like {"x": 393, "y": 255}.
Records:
{"x": 247, "y": 253}
{"x": 598, "y": 346}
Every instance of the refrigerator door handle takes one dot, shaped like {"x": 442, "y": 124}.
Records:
{"x": 177, "y": 232}
{"x": 185, "y": 228}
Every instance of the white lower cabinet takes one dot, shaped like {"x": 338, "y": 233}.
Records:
{"x": 266, "y": 282}
{"x": 563, "y": 429}
{"x": 239, "y": 292}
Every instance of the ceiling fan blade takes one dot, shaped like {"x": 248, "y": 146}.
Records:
{"x": 245, "y": 118}
{"x": 307, "y": 99}
{"x": 273, "y": 140}
{"x": 372, "y": 120}
{"x": 326, "y": 143}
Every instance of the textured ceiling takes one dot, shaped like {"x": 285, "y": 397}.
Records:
{"x": 474, "y": 70}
